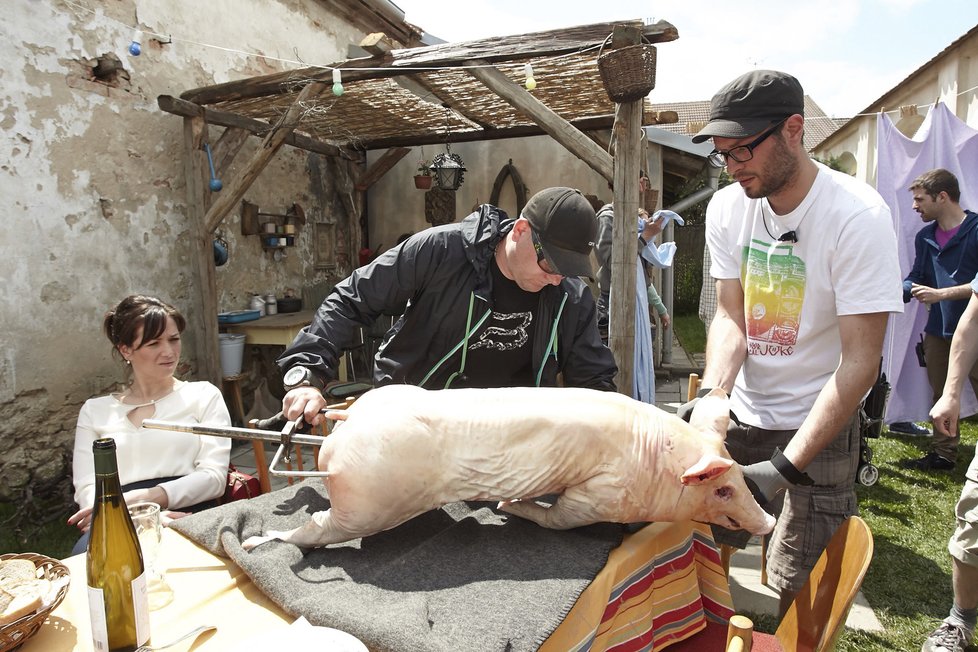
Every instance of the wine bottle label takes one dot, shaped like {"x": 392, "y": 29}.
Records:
{"x": 96, "y": 609}
{"x": 140, "y": 605}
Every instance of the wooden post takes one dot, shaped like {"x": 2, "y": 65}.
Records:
{"x": 627, "y": 139}
{"x": 205, "y": 324}
{"x": 624, "y": 242}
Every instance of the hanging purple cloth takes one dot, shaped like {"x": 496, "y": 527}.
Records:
{"x": 942, "y": 141}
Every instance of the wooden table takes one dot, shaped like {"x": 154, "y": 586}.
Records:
{"x": 207, "y": 590}
{"x": 278, "y": 329}
{"x": 660, "y": 586}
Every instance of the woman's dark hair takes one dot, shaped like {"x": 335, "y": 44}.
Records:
{"x": 122, "y": 323}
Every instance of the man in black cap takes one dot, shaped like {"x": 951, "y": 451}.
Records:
{"x": 807, "y": 274}
{"x": 490, "y": 301}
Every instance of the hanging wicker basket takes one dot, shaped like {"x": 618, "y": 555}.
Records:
{"x": 628, "y": 73}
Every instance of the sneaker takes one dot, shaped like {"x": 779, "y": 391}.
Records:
{"x": 930, "y": 462}
{"x": 909, "y": 428}
{"x": 947, "y": 638}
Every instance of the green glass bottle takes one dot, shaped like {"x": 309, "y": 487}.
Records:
{"x": 117, "y": 595}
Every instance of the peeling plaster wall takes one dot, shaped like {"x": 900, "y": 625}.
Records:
{"x": 92, "y": 179}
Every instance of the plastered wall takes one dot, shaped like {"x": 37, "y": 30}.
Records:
{"x": 92, "y": 182}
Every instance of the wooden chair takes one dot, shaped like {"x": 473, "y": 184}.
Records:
{"x": 816, "y": 616}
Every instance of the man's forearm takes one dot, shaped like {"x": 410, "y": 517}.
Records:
{"x": 726, "y": 350}
{"x": 964, "y": 349}
{"x": 862, "y": 345}
{"x": 957, "y": 292}
{"x": 833, "y": 408}
{"x": 726, "y": 343}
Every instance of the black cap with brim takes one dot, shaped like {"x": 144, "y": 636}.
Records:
{"x": 565, "y": 224}
{"x": 733, "y": 129}
{"x": 752, "y": 102}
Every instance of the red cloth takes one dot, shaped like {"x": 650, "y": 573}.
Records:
{"x": 714, "y": 639}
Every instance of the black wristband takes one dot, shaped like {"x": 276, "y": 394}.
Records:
{"x": 788, "y": 470}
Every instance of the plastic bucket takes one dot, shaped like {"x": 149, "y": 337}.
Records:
{"x": 232, "y": 353}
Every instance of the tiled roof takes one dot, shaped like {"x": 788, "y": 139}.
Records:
{"x": 693, "y": 115}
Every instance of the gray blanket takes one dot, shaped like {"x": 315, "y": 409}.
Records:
{"x": 464, "y": 577}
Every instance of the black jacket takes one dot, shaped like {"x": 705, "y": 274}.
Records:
{"x": 429, "y": 279}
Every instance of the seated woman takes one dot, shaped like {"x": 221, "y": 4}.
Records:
{"x": 179, "y": 471}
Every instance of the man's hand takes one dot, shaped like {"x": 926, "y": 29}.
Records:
{"x": 945, "y": 414}
{"x": 767, "y": 479}
{"x": 651, "y": 228}
{"x": 305, "y": 402}
{"x": 926, "y": 295}
{"x": 666, "y": 320}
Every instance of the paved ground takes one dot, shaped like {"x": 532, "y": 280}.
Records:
{"x": 748, "y": 593}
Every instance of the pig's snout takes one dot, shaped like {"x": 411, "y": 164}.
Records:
{"x": 766, "y": 526}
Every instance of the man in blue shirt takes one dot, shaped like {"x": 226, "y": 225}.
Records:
{"x": 945, "y": 262}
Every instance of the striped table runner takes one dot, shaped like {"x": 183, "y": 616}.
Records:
{"x": 660, "y": 586}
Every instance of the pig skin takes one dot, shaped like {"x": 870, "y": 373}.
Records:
{"x": 402, "y": 450}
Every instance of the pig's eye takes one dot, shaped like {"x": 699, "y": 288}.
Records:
{"x": 724, "y": 492}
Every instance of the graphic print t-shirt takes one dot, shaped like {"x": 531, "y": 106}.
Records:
{"x": 500, "y": 354}
{"x": 844, "y": 263}
{"x": 774, "y": 291}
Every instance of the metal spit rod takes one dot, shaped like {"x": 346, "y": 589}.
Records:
{"x": 284, "y": 438}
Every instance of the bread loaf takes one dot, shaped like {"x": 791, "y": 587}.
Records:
{"x": 21, "y": 591}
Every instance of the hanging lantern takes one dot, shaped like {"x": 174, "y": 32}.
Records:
{"x": 448, "y": 170}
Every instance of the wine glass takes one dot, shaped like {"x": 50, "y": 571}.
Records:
{"x": 149, "y": 530}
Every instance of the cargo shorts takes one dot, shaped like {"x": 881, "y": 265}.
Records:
{"x": 807, "y": 516}
{"x": 963, "y": 545}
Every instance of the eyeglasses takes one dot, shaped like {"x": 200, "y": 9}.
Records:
{"x": 541, "y": 258}
{"x": 741, "y": 153}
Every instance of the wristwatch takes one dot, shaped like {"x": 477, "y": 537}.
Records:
{"x": 299, "y": 377}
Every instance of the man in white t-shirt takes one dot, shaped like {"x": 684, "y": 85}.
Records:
{"x": 806, "y": 273}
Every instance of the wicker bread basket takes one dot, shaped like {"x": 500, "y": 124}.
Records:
{"x": 627, "y": 73}
{"x": 12, "y": 635}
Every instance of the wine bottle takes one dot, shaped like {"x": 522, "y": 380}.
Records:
{"x": 117, "y": 597}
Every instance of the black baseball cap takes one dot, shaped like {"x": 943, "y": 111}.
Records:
{"x": 564, "y": 223}
{"x": 752, "y": 102}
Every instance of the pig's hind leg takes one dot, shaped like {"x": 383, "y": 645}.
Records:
{"x": 573, "y": 508}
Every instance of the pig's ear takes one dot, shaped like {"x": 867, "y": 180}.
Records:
{"x": 708, "y": 467}
{"x": 712, "y": 414}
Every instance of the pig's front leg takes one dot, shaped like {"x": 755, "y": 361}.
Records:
{"x": 251, "y": 543}
{"x": 572, "y": 509}
{"x": 321, "y": 530}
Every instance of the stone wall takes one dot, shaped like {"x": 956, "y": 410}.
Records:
{"x": 92, "y": 177}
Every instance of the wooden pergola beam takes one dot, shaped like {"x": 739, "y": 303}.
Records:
{"x": 410, "y": 61}
{"x": 186, "y": 109}
{"x": 548, "y": 120}
{"x": 604, "y": 122}
{"x": 380, "y": 167}
{"x": 227, "y": 147}
{"x": 234, "y": 192}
